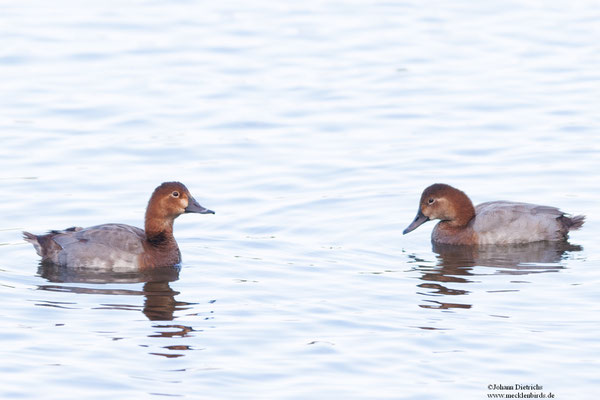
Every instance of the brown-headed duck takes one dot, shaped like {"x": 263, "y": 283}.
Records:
{"x": 494, "y": 222}
{"x": 120, "y": 246}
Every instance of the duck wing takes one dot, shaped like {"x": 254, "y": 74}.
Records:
{"x": 506, "y": 221}
{"x": 118, "y": 237}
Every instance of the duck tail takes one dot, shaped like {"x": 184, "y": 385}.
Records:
{"x": 571, "y": 223}
{"x": 576, "y": 222}
{"x": 34, "y": 240}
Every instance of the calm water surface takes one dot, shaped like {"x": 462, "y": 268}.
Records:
{"x": 311, "y": 128}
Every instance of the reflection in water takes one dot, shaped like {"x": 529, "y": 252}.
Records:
{"x": 159, "y": 303}
{"x": 455, "y": 265}
{"x": 176, "y": 331}
{"x": 57, "y": 273}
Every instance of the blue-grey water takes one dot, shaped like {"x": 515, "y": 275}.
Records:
{"x": 311, "y": 128}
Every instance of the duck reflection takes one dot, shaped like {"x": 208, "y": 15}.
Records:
{"x": 455, "y": 265}
{"x": 159, "y": 298}
{"x": 159, "y": 303}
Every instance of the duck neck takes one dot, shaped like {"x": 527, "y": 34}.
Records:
{"x": 463, "y": 211}
{"x": 159, "y": 232}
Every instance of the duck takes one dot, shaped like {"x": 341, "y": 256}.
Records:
{"x": 121, "y": 247}
{"x": 494, "y": 222}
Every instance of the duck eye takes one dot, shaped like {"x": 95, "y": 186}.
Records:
{"x": 431, "y": 201}
{"x": 175, "y": 194}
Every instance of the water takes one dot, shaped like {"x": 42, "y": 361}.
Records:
{"x": 311, "y": 128}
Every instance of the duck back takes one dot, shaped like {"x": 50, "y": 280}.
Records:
{"x": 107, "y": 246}
{"x": 503, "y": 222}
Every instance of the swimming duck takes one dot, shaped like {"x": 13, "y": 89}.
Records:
{"x": 120, "y": 246}
{"x": 494, "y": 222}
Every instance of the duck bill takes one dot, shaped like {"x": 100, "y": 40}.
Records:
{"x": 419, "y": 220}
{"x": 194, "y": 207}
